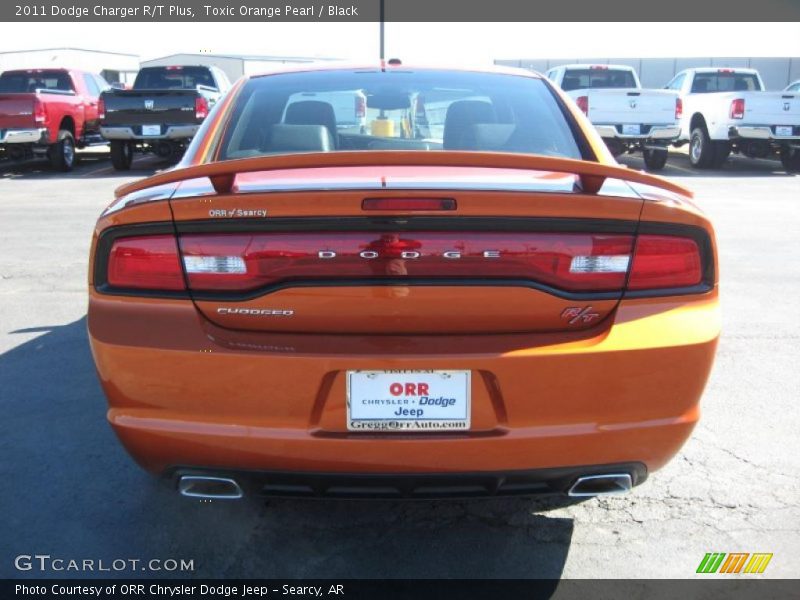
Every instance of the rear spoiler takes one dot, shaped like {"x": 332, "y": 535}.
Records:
{"x": 222, "y": 174}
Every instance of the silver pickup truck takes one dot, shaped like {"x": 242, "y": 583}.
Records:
{"x": 161, "y": 113}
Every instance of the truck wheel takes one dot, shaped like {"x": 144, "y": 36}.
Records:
{"x": 790, "y": 159}
{"x": 62, "y": 153}
{"x": 121, "y": 155}
{"x": 722, "y": 150}
{"x": 701, "y": 150}
{"x": 654, "y": 160}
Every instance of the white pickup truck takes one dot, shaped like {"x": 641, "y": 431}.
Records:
{"x": 727, "y": 110}
{"x": 627, "y": 117}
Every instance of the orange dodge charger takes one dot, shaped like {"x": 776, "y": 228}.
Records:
{"x": 383, "y": 281}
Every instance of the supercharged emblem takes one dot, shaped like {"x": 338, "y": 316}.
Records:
{"x": 255, "y": 312}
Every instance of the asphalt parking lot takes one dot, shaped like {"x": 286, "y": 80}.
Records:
{"x": 70, "y": 491}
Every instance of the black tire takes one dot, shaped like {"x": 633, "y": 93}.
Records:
{"x": 62, "y": 153}
{"x": 790, "y": 159}
{"x": 655, "y": 160}
{"x": 722, "y": 150}
{"x": 121, "y": 155}
{"x": 701, "y": 150}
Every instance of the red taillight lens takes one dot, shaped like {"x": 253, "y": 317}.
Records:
{"x": 200, "y": 108}
{"x": 149, "y": 262}
{"x": 39, "y": 111}
{"x": 678, "y": 108}
{"x": 101, "y": 108}
{"x": 568, "y": 261}
{"x": 737, "y": 108}
{"x": 662, "y": 261}
{"x": 361, "y": 107}
{"x": 583, "y": 104}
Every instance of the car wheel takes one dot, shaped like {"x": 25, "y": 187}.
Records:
{"x": 722, "y": 150}
{"x": 701, "y": 150}
{"x": 654, "y": 160}
{"x": 790, "y": 159}
{"x": 62, "y": 153}
{"x": 121, "y": 155}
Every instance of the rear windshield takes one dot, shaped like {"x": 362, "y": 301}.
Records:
{"x": 20, "y": 82}
{"x": 724, "y": 82}
{"x": 579, "y": 79}
{"x": 396, "y": 110}
{"x": 173, "y": 78}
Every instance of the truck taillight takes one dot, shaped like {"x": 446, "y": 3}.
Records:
{"x": 39, "y": 111}
{"x": 737, "y": 108}
{"x": 583, "y": 104}
{"x": 147, "y": 262}
{"x": 678, "y": 108}
{"x": 361, "y": 107}
{"x": 663, "y": 261}
{"x": 101, "y": 108}
{"x": 200, "y": 108}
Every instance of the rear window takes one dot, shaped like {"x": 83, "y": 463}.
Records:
{"x": 20, "y": 82}
{"x": 597, "y": 78}
{"x": 396, "y": 110}
{"x": 705, "y": 83}
{"x": 173, "y": 78}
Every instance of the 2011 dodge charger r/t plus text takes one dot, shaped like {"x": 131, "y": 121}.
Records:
{"x": 465, "y": 296}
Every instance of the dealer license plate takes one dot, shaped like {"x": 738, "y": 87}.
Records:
{"x": 783, "y": 130}
{"x": 151, "y": 129}
{"x": 631, "y": 130}
{"x": 408, "y": 400}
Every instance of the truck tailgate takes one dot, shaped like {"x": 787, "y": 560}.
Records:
{"x": 630, "y": 106}
{"x": 16, "y": 111}
{"x": 771, "y": 108}
{"x": 143, "y": 107}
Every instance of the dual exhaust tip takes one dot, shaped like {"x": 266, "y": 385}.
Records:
{"x": 207, "y": 487}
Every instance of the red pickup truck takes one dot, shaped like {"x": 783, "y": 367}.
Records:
{"x": 49, "y": 112}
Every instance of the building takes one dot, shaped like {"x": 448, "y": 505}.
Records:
{"x": 113, "y": 66}
{"x": 777, "y": 73}
{"x": 234, "y": 65}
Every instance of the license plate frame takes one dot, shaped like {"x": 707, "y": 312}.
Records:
{"x": 151, "y": 130}
{"x": 631, "y": 129}
{"x": 374, "y": 404}
{"x": 784, "y": 130}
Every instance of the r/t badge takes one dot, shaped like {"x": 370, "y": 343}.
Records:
{"x": 575, "y": 314}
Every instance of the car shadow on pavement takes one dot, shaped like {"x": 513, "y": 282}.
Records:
{"x": 71, "y": 492}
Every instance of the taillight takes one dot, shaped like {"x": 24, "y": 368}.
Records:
{"x": 678, "y": 108}
{"x": 39, "y": 111}
{"x": 568, "y": 261}
{"x": 662, "y": 261}
{"x": 583, "y": 104}
{"x": 361, "y": 107}
{"x": 148, "y": 262}
{"x": 200, "y": 108}
{"x": 101, "y": 108}
{"x": 737, "y": 108}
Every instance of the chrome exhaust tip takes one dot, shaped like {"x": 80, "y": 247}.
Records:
{"x": 209, "y": 488}
{"x": 601, "y": 485}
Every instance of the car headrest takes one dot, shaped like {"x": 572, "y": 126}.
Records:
{"x": 488, "y": 137}
{"x": 461, "y": 115}
{"x": 299, "y": 138}
{"x": 312, "y": 112}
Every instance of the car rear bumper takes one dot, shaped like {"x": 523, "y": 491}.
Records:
{"x": 761, "y": 132}
{"x": 23, "y": 136}
{"x": 184, "y": 393}
{"x": 664, "y": 133}
{"x": 300, "y": 484}
{"x": 172, "y": 132}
